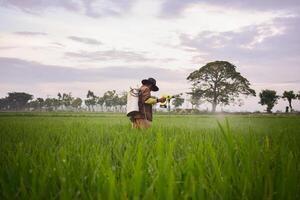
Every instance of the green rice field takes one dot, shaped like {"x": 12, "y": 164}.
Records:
{"x": 99, "y": 156}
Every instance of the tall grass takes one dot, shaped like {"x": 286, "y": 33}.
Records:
{"x": 180, "y": 157}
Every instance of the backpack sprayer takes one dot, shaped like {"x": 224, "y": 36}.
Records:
{"x": 166, "y": 104}
{"x": 132, "y": 106}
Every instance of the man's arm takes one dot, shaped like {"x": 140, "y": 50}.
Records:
{"x": 151, "y": 100}
{"x": 146, "y": 97}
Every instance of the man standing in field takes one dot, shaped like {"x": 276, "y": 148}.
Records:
{"x": 143, "y": 118}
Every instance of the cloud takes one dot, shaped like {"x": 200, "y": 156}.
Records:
{"x": 102, "y": 8}
{"x": 176, "y": 7}
{"x": 13, "y": 70}
{"x": 43, "y": 80}
{"x": 232, "y": 43}
{"x": 127, "y": 56}
{"x": 29, "y": 33}
{"x": 261, "y": 43}
{"x": 85, "y": 40}
{"x": 96, "y": 8}
{"x": 37, "y": 6}
{"x": 115, "y": 55}
{"x": 264, "y": 52}
{"x": 7, "y": 47}
{"x": 91, "y": 8}
{"x": 57, "y": 44}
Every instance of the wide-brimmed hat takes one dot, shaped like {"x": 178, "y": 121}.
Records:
{"x": 151, "y": 81}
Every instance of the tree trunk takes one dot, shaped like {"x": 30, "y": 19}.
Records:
{"x": 214, "y": 105}
{"x": 290, "y": 105}
{"x": 269, "y": 109}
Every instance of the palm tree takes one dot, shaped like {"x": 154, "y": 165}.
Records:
{"x": 67, "y": 99}
{"x": 91, "y": 100}
{"x": 289, "y": 95}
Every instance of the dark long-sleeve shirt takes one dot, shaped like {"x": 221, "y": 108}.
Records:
{"x": 145, "y": 104}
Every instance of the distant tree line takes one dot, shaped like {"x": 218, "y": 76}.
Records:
{"x": 21, "y": 101}
{"x": 218, "y": 83}
{"x": 110, "y": 101}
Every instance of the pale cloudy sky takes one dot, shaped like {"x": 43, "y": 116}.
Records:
{"x": 48, "y": 46}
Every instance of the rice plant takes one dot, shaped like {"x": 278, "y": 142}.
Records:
{"x": 83, "y": 156}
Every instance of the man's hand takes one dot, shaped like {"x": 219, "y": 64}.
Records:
{"x": 161, "y": 100}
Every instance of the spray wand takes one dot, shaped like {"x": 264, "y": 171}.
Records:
{"x": 167, "y": 103}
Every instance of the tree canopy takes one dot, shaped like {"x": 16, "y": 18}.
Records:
{"x": 177, "y": 101}
{"x": 268, "y": 98}
{"x": 289, "y": 96}
{"x": 219, "y": 82}
{"x": 18, "y": 100}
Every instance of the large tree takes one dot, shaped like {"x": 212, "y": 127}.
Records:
{"x": 4, "y": 104}
{"x": 110, "y": 98}
{"x": 91, "y": 100}
{"x": 18, "y": 100}
{"x": 268, "y": 98}
{"x": 289, "y": 95}
{"x": 100, "y": 102}
{"x": 41, "y": 103}
{"x": 122, "y": 100}
{"x": 59, "y": 100}
{"x": 49, "y": 103}
{"x": 177, "y": 101}
{"x": 219, "y": 82}
{"x": 76, "y": 103}
{"x": 67, "y": 99}
{"x": 34, "y": 104}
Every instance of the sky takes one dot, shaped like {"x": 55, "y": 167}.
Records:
{"x": 51, "y": 46}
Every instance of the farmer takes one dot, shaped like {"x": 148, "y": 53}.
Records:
{"x": 143, "y": 118}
